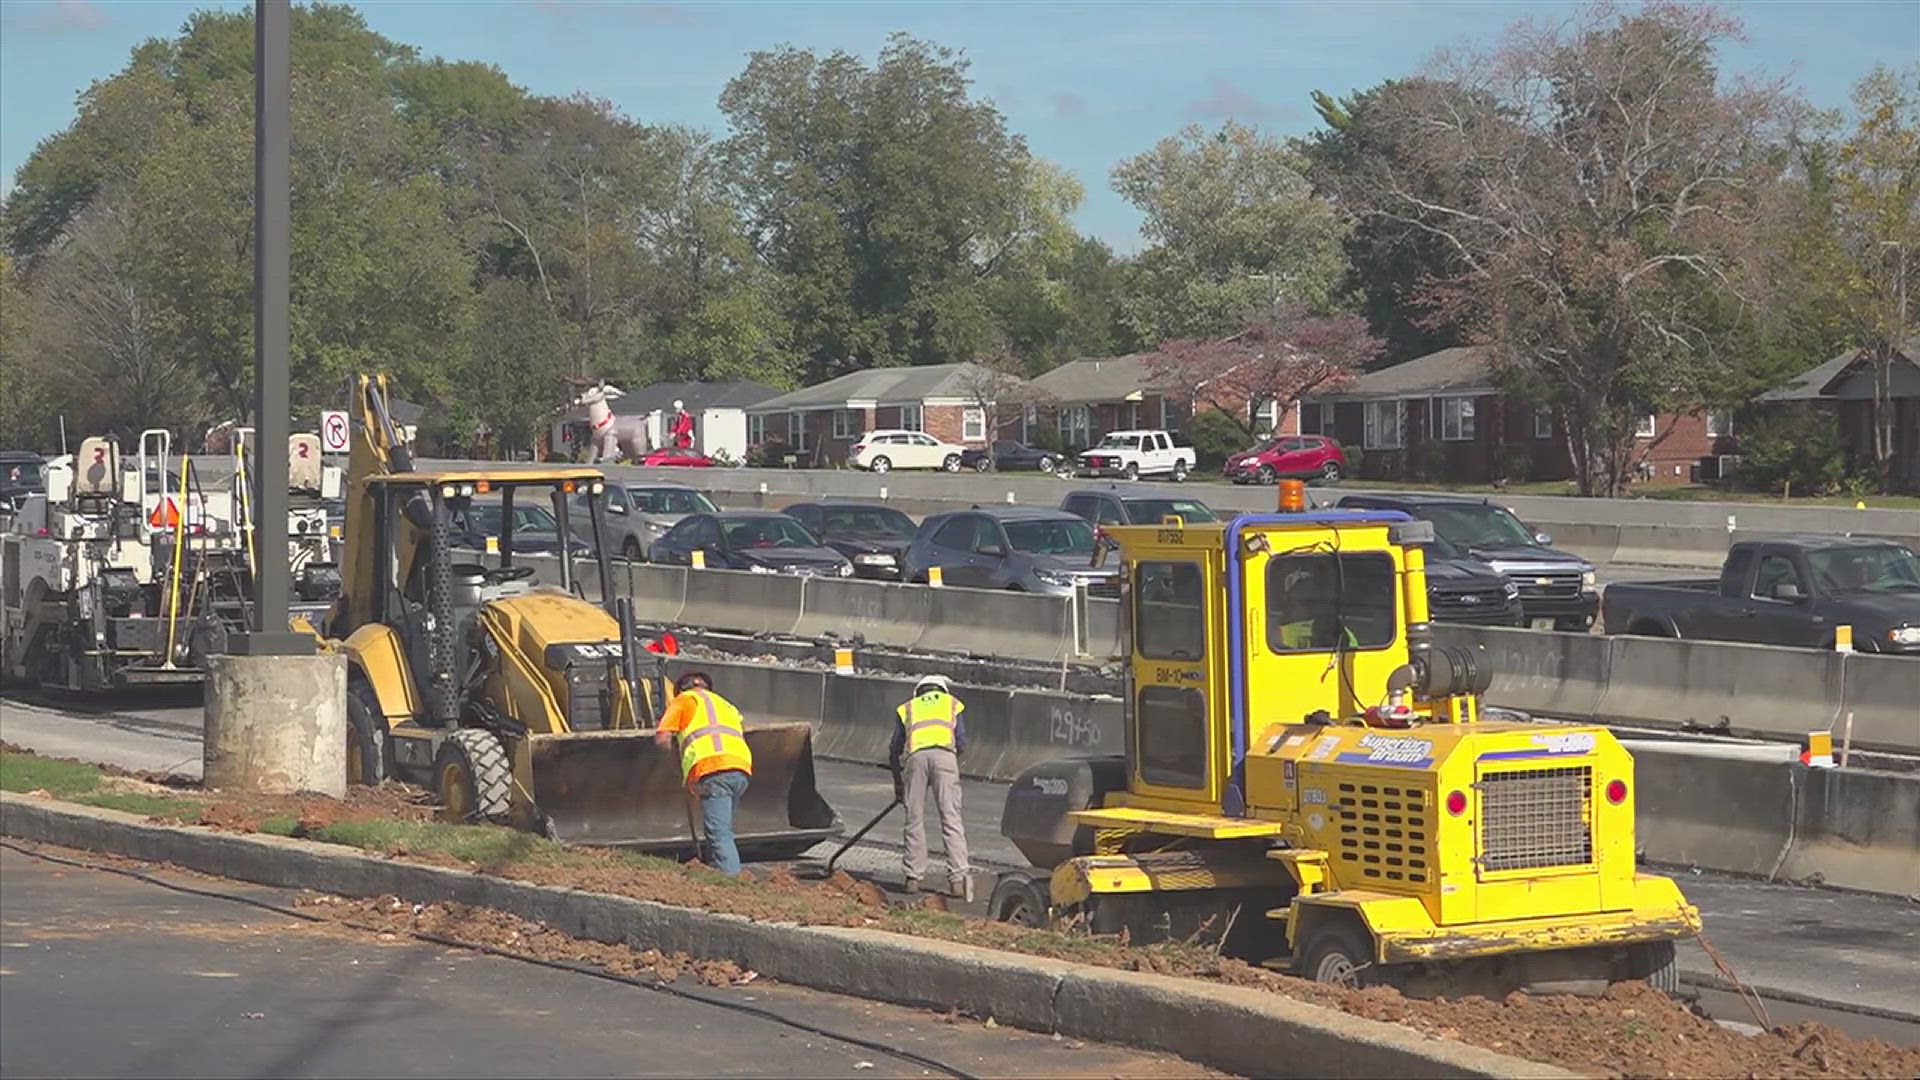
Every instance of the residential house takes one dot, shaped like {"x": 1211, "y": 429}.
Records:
{"x": 1844, "y": 385}
{"x": 719, "y": 415}
{"x": 1087, "y": 398}
{"x": 1441, "y": 417}
{"x": 820, "y": 423}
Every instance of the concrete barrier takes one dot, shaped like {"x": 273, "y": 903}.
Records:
{"x": 738, "y": 600}
{"x": 1856, "y": 828}
{"x": 986, "y": 623}
{"x": 659, "y": 593}
{"x": 882, "y": 613}
{"x": 1741, "y": 689}
{"x": 1537, "y": 671}
{"x": 764, "y": 693}
{"x": 1668, "y": 545}
{"x": 1103, "y": 629}
{"x": 1881, "y": 693}
{"x": 857, "y": 718}
{"x": 1593, "y": 542}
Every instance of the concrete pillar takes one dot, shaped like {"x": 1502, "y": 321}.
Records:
{"x": 277, "y": 724}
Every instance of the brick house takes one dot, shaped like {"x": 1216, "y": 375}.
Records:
{"x": 1844, "y": 385}
{"x": 1440, "y": 417}
{"x": 820, "y": 423}
{"x": 1087, "y": 398}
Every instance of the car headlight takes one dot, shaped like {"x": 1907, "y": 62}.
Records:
{"x": 1589, "y": 580}
{"x": 756, "y": 568}
{"x": 1904, "y": 635}
{"x": 1054, "y": 577}
{"x": 874, "y": 559}
{"x": 1510, "y": 589}
{"x": 846, "y": 569}
{"x": 658, "y": 526}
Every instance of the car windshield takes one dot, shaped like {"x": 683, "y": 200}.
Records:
{"x": 1478, "y": 526}
{"x": 1053, "y": 536}
{"x": 484, "y": 518}
{"x": 1865, "y": 569}
{"x": 1120, "y": 442}
{"x": 22, "y": 474}
{"x": 766, "y": 532}
{"x": 1154, "y": 511}
{"x": 670, "y": 501}
{"x": 876, "y": 522}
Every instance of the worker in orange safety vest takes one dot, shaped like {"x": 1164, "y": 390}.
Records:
{"x": 715, "y": 760}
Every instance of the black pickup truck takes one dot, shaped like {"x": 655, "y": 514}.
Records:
{"x": 1788, "y": 591}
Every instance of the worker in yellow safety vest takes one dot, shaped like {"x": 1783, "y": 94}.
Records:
{"x": 714, "y": 760}
{"x": 926, "y": 754}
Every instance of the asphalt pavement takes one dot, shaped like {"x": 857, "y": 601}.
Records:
{"x": 104, "y": 975}
{"x": 1851, "y": 949}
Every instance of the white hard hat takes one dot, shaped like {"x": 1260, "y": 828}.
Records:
{"x": 678, "y": 404}
{"x": 932, "y": 680}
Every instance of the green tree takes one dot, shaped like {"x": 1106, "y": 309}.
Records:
{"x": 1235, "y": 229}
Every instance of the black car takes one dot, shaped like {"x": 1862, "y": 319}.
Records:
{"x": 873, "y": 537}
{"x": 762, "y": 541}
{"x": 1113, "y": 506}
{"x": 1463, "y": 589}
{"x": 1009, "y": 456}
{"x": 22, "y": 473}
{"x": 1558, "y": 590}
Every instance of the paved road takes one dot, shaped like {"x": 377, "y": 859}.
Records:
{"x": 104, "y": 975}
{"x": 1825, "y": 945}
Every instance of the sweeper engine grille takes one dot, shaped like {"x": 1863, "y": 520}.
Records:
{"x": 1533, "y": 818}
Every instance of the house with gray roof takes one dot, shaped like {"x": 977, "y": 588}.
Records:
{"x": 820, "y": 423}
{"x": 1089, "y": 397}
{"x": 1844, "y": 385}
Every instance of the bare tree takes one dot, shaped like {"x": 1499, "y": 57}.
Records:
{"x": 1279, "y": 359}
{"x": 995, "y": 386}
{"x": 1601, "y": 182}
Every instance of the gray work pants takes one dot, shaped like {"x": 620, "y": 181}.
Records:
{"x": 939, "y": 769}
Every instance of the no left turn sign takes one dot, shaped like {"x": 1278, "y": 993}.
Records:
{"x": 333, "y": 432}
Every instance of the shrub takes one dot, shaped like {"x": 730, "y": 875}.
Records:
{"x": 1215, "y": 437}
{"x": 1797, "y": 444}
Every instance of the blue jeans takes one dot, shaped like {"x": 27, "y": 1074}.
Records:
{"x": 719, "y": 792}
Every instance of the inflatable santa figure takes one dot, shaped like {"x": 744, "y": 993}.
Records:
{"x": 681, "y": 432}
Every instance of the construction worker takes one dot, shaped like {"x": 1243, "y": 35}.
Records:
{"x": 926, "y": 753}
{"x": 714, "y": 760}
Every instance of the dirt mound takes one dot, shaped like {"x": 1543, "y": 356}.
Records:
{"x": 391, "y": 801}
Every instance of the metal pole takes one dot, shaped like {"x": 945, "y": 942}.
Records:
{"x": 271, "y": 336}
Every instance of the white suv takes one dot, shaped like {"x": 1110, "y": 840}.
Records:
{"x": 884, "y": 450}
{"x": 1133, "y": 454}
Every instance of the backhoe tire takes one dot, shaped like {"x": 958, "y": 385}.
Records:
{"x": 1652, "y": 962}
{"x": 1018, "y": 900}
{"x": 366, "y": 737}
{"x": 1339, "y": 953}
{"x": 473, "y": 777}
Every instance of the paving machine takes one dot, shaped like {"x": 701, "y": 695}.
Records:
{"x": 1309, "y": 783}
{"x": 521, "y": 701}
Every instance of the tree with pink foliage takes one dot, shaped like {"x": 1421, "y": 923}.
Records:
{"x": 1280, "y": 358}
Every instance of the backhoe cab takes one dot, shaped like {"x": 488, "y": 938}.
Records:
{"x": 1309, "y": 782}
{"x": 518, "y": 701}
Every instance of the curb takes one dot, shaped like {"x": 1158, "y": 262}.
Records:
{"x": 1244, "y": 1031}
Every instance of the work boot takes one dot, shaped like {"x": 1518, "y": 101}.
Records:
{"x": 962, "y": 887}
{"x": 913, "y": 884}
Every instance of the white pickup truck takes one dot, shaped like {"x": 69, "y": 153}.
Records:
{"x": 1133, "y": 454}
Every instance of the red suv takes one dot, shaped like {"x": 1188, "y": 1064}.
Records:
{"x": 1304, "y": 456}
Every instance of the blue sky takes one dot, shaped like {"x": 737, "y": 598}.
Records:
{"x": 1087, "y": 83}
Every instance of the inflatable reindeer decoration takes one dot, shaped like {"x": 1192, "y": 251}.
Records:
{"x": 610, "y": 438}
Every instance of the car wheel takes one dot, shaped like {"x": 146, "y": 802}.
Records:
{"x": 631, "y": 552}
{"x": 952, "y": 464}
{"x": 880, "y": 464}
{"x": 1337, "y": 953}
{"x": 982, "y": 465}
{"x": 1267, "y": 475}
{"x": 1330, "y": 472}
{"x": 1179, "y": 472}
{"x": 1133, "y": 470}
{"x": 1046, "y": 464}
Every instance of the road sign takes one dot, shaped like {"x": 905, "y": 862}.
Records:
{"x": 333, "y": 431}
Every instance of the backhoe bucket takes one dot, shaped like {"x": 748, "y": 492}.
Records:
{"x": 618, "y": 789}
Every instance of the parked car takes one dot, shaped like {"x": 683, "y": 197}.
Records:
{"x": 1025, "y": 549}
{"x": 880, "y": 451}
{"x": 1558, "y": 590}
{"x": 638, "y": 513}
{"x": 1134, "y": 454}
{"x": 22, "y": 473}
{"x": 675, "y": 456}
{"x": 1302, "y": 457}
{"x": 762, "y": 541}
{"x": 1114, "y": 506}
{"x": 1788, "y": 591}
{"x": 535, "y": 532}
{"x": 874, "y": 538}
{"x": 1009, "y": 456}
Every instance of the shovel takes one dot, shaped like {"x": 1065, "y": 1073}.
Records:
{"x": 864, "y": 830}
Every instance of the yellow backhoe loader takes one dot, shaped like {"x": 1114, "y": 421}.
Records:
{"x": 520, "y": 702}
